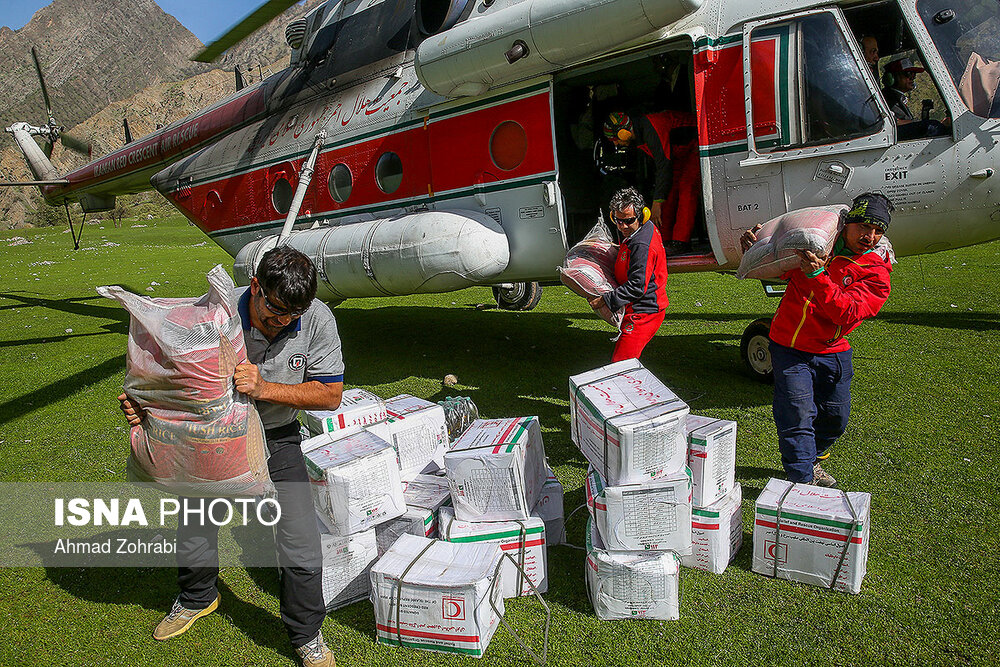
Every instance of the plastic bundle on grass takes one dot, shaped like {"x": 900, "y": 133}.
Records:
{"x": 589, "y": 270}
{"x": 200, "y": 437}
{"x": 773, "y": 254}
{"x": 459, "y": 413}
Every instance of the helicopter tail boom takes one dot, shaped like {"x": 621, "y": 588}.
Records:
{"x": 41, "y": 167}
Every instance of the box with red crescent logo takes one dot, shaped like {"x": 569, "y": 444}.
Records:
{"x": 812, "y": 535}
{"x": 438, "y": 596}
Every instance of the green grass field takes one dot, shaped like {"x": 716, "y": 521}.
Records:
{"x": 923, "y": 440}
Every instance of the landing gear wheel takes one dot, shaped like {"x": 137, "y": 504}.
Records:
{"x": 755, "y": 350}
{"x": 522, "y": 296}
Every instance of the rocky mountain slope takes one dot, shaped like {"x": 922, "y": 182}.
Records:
{"x": 132, "y": 63}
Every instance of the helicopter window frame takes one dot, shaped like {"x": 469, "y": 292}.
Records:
{"x": 278, "y": 198}
{"x": 758, "y": 151}
{"x": 340, "y": 193}
{"x": 508, "y": 145}
{"x": 383, "y": 179}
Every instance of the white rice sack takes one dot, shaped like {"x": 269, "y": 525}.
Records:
{"x": 773, "y": 254}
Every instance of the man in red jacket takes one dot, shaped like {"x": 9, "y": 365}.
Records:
{"x": 641, "y": 274}
{"x": 826, "y": 299}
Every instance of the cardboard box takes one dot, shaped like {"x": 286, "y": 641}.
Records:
{"x": 357, "y": 408}
{"x": 524, "y": 541}
{"x": 711, "y": 458}
{"x": 627, "y": 423}
{"x": 550, "y": 508}
{"x": 347, "y": 560}
{"x": 423, "y": 496}
{"x": 624, "y": 584}
{"x": 821, "y": 537}
{"x": 716, "y": 533}
{"x": 496, "y": 469}
{"x": 355, "y": 479}
{"x": 450, "y": 600}
{"x": 416, "y": 429}
{"x": 653, "y": 516}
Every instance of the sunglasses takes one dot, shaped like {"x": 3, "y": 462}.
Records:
{"x": 281, "y": 312}
{"x": 624, "y": 221}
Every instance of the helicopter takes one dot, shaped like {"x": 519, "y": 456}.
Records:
{"x": 416, "y": 146}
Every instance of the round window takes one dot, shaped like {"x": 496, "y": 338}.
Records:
{"x": 508, "y": 145}
{"x": 341, "y": 183}
{"x": 281, "y": 195}
{"x": 389, "y": 172}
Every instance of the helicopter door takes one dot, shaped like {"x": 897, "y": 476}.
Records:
{"x": 808, "y": 91}
{"x": 814, "y": 115}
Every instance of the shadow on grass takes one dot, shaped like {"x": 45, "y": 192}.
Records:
{"x": 971, "y": 321}
{"x": 513, "y": 363}
{"x": 75, "y": 306}
{"x": 63, "y": 388}
{"x": 156, "y": 588}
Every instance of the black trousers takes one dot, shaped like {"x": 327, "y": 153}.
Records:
{"x": 296, "y": 538}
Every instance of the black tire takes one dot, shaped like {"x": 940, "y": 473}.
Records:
{"x": 755, "y": 352}
{"x": 522, "y": 296}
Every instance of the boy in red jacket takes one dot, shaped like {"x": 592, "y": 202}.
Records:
{"x": 826, "y": 299}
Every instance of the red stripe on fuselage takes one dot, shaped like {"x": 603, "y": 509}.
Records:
{"x": 449, "y": 154}
{"x": 168, "y": 143}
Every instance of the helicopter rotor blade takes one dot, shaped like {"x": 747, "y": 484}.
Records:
{"x": 47, "y": 149}
{"x": 243, "y": 29}
{"x": 41, "y": 80}
{"x": 76, "y": 145}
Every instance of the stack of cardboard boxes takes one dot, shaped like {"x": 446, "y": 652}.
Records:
{"x": 448, "y": 594}
{"x": 497, "y": 473}
{"x": 653, "y": 468}
{"x": 366, "y": 462}
{"x": 384, "y": 479}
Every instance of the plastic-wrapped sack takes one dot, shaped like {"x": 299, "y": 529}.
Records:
{"x": 459, "y": 413}
{"x": 200, "y": 437}
{"x": 773, "y": 254}
{"x": 589, "y": 269}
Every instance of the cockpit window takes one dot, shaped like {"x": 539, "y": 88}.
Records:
{"x": 807, "y": 86}
{"x": 967, "y": 35}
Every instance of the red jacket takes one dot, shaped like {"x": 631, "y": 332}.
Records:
{"x": 641, "y": 273}
{"x": 816, "y": 314}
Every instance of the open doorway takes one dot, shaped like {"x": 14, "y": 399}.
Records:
{"x": 647, "y": 87}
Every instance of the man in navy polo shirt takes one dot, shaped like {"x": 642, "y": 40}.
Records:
{"x": 294, "y": 362}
